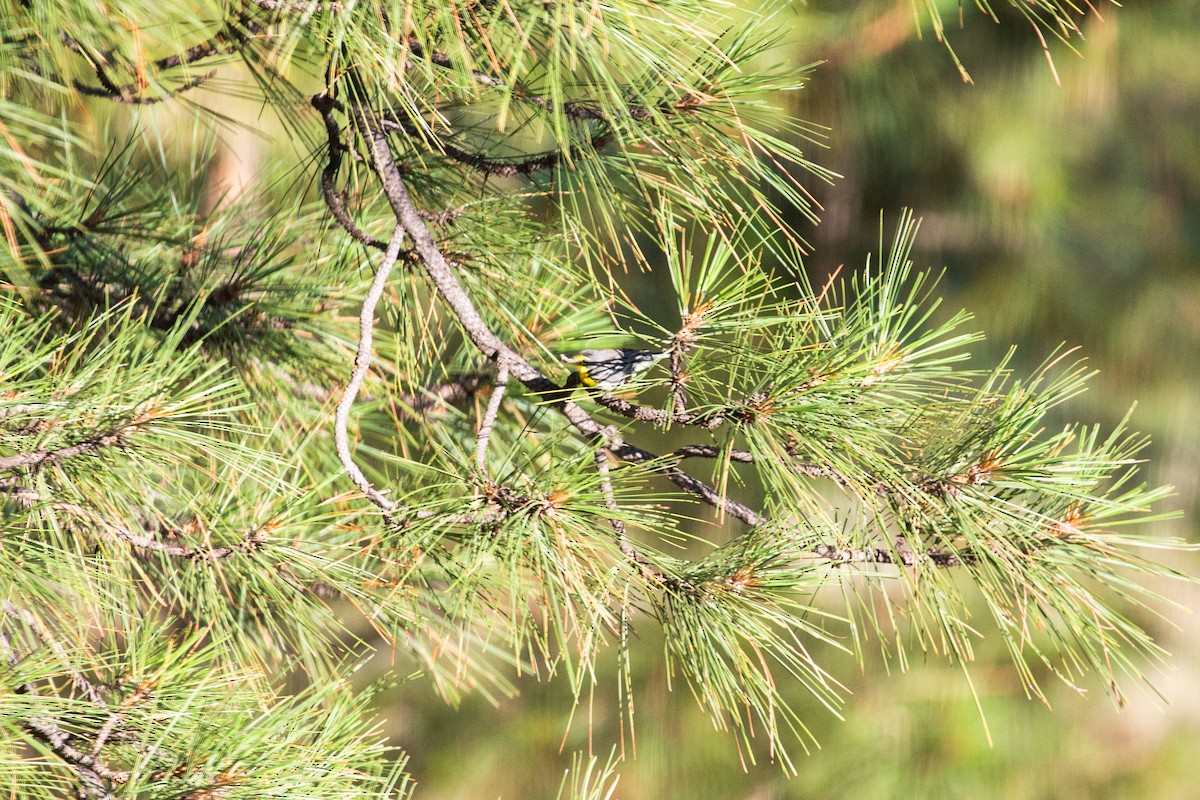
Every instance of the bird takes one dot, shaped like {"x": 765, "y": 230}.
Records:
{"x": 609, "y": 369}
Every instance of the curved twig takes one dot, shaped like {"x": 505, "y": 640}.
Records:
{"x": 335, "y": 201}
{"x": 504, "y": 167}
{"x": 362, "y": 361}
{"x": 127, "y": 93}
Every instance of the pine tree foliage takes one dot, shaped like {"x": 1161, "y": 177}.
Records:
{"x": 201, "y": 515}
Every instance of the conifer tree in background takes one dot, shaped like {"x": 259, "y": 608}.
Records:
{"x": 212, "y": 475}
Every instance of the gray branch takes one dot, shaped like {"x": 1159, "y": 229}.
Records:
{"x": 362, "y": 362}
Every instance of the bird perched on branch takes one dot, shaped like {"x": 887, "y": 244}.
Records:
{"x": 609, "y": 369}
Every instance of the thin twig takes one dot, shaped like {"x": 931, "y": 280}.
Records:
{"x": 101, "y": 74}
{"x": 44, "y": 729}
{"x": 610, "y": 503}
{"x": 455, "y": 391}
{"x": 803, "y": 467}
{"x": 447, "y": 216}
{"x": 693, "y": 485}
{"x": 708, "y": 421}
{"x": 300, "y": 6}
{"x": 620, "y": 405}
{"x": 89, "y": 769}
{"x": 107, "y": 729}
{"x": 57, "y": 739}
{"x": 22, "y": 493}
{"x": 28, "y": 619}
{"x": 39, "y": 457}
{"x": 115, "y": 720}
{"x": 252, "y": 541}
{"x": 125, "y": 95}
{"x": 635, "y": 556}
{"x": 489, "y": 419}
{"x": 227, "y": 40}
{"x": 362, "y": 362}
{"x": 711, "y": 451}
{"x": 882, "y": 555}
{"x": 28, "y": 408}
{"x": 504, "y": 167}
{"x": 335, "y": 200}
{"x": 442, "y": 60}
{"x": 679, "y": 396}
{"x": 7, "y": 649}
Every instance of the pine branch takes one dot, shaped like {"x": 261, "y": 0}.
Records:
{"x": 454, "y": 392}
{"x": 40, "y": 631}
{"x": 125, "y": 94}
{"x": 504, "y": 167}
{"x": 91, "y": 772}
{"x": 335, "y": 200}
{"x": 40, "y": 457}
{"x": 711, "y": 451}
{"x": 633, "y": 411}
{"x": 709, "y": 420}
{"x": 879, "y": 555}
{"x": 253, "y": 539}
{"x": 541, "y": 544}
{"x": 438, "y": 269}
{"x": 22, "y": 493}
{"x": 225, "y": 41}
{"x": 636, "y": 557}
{"x": 300, "y": 6}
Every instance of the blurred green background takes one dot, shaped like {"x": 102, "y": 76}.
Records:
{"x": 1064, "y": 205}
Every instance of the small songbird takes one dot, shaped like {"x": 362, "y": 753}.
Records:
{"x": 609, "y": 369}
